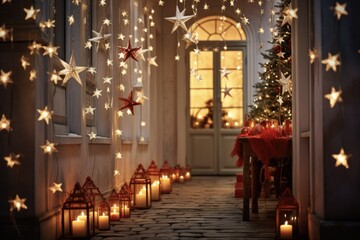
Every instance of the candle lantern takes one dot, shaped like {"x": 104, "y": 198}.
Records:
{"x": 140, "y": 185}
{"x": 114, "y": 202}
{"x": 154, "y": 174}
{"x": 125, "y": 201}
{"x": 287, "y": 212}
{"x": 94, "y": 195}
{"x": 75, "y": 218}
{"x": 187, "y": 172}
{"x": 166, "y": 170}
{"x": 103, "y": 215}
{"x": 177, "y": 171}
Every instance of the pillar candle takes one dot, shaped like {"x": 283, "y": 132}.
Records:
{"x": 78, "y": 228}
{"x": 125, "y": 211}
{"x": 187, "y": 176}
{"x": 103, "y": 222}
{"x": 155, "y": 190}
{"x": 165, "y": 183}
{"x": 286, "y": 231}
{"x": 181, "y": 179}
{"x": 114, "y": 214}
{"x": 140, "y": 201}
{"x": 82, "y": 217}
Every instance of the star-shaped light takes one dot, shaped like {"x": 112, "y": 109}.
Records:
{"x": 47, "y": 24}
{"x": 179, "y": 20}
{"x": 121, "y": 36}
{"x": 141, "y": 52}
{"x": 107, "y": 46}
{"x": 227, "y": 91}
{"x": 32, "y": 75}
{"x": 280, "y": 100}
{"x": 116, "y": 173}
{"x": 100, "y": 38}
{"x": 31, "y": 13}
{"x": 225, "y": 73}
{"x": 288, "y": 15}
{"x": 118, "y": 132}
{"x": 88, "y": 45}
{"x": 45, "y": 115}
{"x": 71, "y": 70}
{"x": 142, "y": 124}
{"x": 334, "y": 97}
{"x": 141, "y": 97}
{"x": 3, "y": 32}
{"x": 340, "y": 10}
{"x": 286, "y": 83}
{"x": 152, "y": 61}
{"x": 24, "y": 62}
{"x": 312, "y": 55}
{"x": 106, "y": 22}
{"x": 97, "y": 93}
{"x": 54, "y": 76}
{"x": 89, "y": 110}
{"x": 17, "y": 203}
{"x": 49, "y": 147}
{"x": 12, "y": 159}
{"x": 107, "y": 106}
{"x": 245, "y": 20}
{"x": 118, "y": 155}
{"x": 102, "y": 3}
{"x": 331, "y": 62}
{"x": 129, "y": 103}
{"x": 109, "y": 62}
{"x": 71, "y": 20}
{"x": 92, "y": 135}
{"x": 120, "y": 113}
{"x": 4, "y": 123}
{"x": 206, "y": 7}
{"x": 5, "y": 78}
{"x": 341, "y": 158}
{"x": 5, "y": 1}
{"x": 161, "y": 3}
{"x": 56, "y": 187}
{"x": 107, "y": 80}
{"x": 281, "y": 54}
{"x": 129, "y": 52}
{"x": 50, "y": 50}
{"x": 91, "y": 70}
{"x": 190, "y": 38}
{"x": 34, "y": 47}
{"x": 76, "y": 2}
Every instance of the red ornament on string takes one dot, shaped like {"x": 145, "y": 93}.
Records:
{"x": 129, "y": 103}
{"x": 129, "y": 52}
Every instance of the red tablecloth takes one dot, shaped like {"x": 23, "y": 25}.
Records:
{"x": 266, "y": 145}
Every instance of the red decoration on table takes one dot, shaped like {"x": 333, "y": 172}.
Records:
{"x": 129, "y": 52}
{"x": 129, "y": 103}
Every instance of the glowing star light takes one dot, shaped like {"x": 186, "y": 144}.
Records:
{"x": 97, "y": 93}
{"x": 118, "y": 132}
{"x": 288, "y": 15}
{"x": 17, "y": 203}
{"x": 331, "y": 62}
{"x": 128, "y": 52}
{"x": 31, "y": 13}
{"x": 54, "y": 76}
{"x": 334, "y": 97}
{"x": 339, "y": 10}
{"x": 92, "y": 135}
{"x": 5, "y": 78}
{"x": 100, "y": 38}
{"x": 286, "y": 84}
{"x": 341, "y": 158}
{"x": 140, "y": 53}
{"x": 71, "y": 20}
{"x": 56, "y": 187}
{"x": 12, "y": 159}
{"x": 34, "y": 47}
{"x": 47, "y": 24}
{"x": 45, "y": 115}
{"x": 89, "y": 110}
{"x": 24, "y": 62}
{"x": 49, "y": 147}
{"x": 118, "y": 155}
{"x": 3, "y": 32}
{"x": 179, "y": 20}
{"x": 129, "y": 103}
{"x": 4, "y": 123}
{"x": 312, "y": 55}
{"x": 32, "y": 75}
{"x": 71, "y": 70}
{"x": 116, "y": 173}
{"x": 152, "y": 61}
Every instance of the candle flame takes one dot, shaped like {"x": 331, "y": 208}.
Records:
{"x": 103, "y": 214}
{"x": 82, "y": 213}
{"x": 286, "y": 222}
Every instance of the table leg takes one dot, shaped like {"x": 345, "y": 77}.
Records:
{"x": 246, "y": 173}
{"x": 254, "y": 187}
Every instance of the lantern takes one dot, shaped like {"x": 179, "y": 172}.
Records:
{"x": 140, "y": 185}
{"x": 94, "y": 195}
{"x": 187, "y": 172}
{"x": 114, "y": 202}
{"x": 176, "y": 172}
{"x": 75, "y": 218}
{"x": 104, "y": 213}
{"x": 154, "y": 174}
{"x": 125, "y": 201}
{"x": 287, "y": 212}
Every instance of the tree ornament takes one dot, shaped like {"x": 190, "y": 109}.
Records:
{"x": 286, "y": 84}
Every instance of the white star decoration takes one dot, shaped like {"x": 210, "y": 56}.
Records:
{"x": 334, "y": 97}
{"x": 118, "y": 155}
{"x": 49, "y": 148}
{"x": 99, "y": 38}
{"x": 71, "y": 70}
{"x": 89, "y": 110}
{"x": 179, "y": 20}
{"x": 152, "y": 61}
{"x": 12, "y": 159}
{"x": 92, "y": 135}
{"x": 56, "y": 187}
{"x": 286, "y": 84}
{"x": 45, "y": 115}
{"x": 17, "y": 203}
{"x": 31, "y": 13}
{"x": 341, "y": 158}
{"x": 5, "y": 78}
{"x": 116, "y": 173}
{"x": 339, "y": 10}
{"x": 4, "y": 123}
{"x": 331, "y": 62}
{"x": 3, "y": 32}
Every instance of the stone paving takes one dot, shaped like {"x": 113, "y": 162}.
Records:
{"x": 204, "y": 208}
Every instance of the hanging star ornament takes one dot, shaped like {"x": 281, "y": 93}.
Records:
{"x": 340, "y": 10}
{"x": 45, "y": 115}
{"x": 129, "y": 103}
{"x": 331, "y": 62}
{"x": 227, "y": 91}
{"x": 128, "y": 52}
{"x": 24, "y": 62}
{"x": 92, "y": 135}
{"x": 71, "y": 70}
{"x": 89, "y": 110}
{"x": 179, "y": 20}
{"x": 100, "y": 38}
{"x": 152, "y": 61}
{"x": 5, "y": 78}
{"x": 49, "y": 147}
{"x": 4, "y": 123}
{"x": 341, "y": 158}
{"x": 286, "y": 84}
{"x": 3, "y": 32}
{"x": 56, "y": 187}
{"x": 225, "y": 73}
{"x": 334, "y": 97}
{"x": 141, "y": 52}
{"x": 12, "y": 160}
{"x": 288, "y": 15}
{"x": 31, "y": 13}
{"x": 54, "y": 76}
{"x": 17, "y": 203}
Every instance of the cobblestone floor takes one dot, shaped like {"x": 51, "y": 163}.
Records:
{"x": 204, "y": 208}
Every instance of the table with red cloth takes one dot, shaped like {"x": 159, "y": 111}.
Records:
{"x": 265, "y": 146}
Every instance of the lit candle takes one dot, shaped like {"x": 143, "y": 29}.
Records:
{"x": 181, "y": 179}
{"x": 286, "y": 231}
{"x": 140, "y": 199}
{"x": 103, "y": 222}
{"x": 165, "y": 184}
{"x": 173, "y": 177}
{"x": 78, "y": 228}
{"x": 82, "y": 217}
{"x": 125, "y": 211}
{"x": 187, "y": 176}
{"x": 114, "y": 214}
{"x": 155, "y": 190}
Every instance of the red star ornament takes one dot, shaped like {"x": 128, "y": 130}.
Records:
{"x": 128, "y": 52}
{"x": 129, "y": 103}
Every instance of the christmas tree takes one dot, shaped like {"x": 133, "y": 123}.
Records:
{"x": 274, "y": 91}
